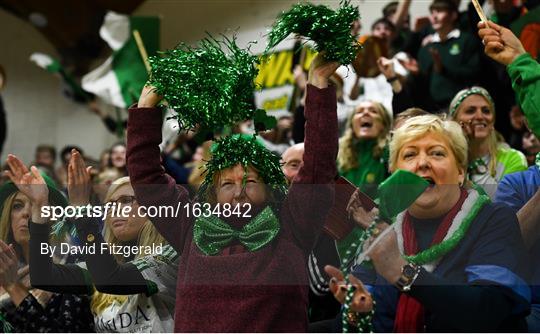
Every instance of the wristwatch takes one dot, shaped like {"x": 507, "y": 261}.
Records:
{"x": 409, "y": 273}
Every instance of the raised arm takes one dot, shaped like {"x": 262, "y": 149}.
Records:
{"x": 311, "y": 195}
{"x": 107, "y": 274}
{"x": 400, "y": 17}
{"x": 504, "y": 47}
{"x": 153, "y": 186}
{"x": 44, "y": 274}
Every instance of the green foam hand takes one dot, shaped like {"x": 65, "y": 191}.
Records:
{"x": 398, "y": 192}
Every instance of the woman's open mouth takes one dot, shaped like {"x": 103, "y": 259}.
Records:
{"x": 366, "y": 124}
{"x": 430, "y": 181}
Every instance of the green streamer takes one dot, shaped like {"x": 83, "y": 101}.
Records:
{"x": 210, "y": 86}
{"x": 329, "y": 29}
{"x": 437, "y": 251}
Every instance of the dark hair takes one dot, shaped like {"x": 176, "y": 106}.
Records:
{"x": 448, "y": 5}
{"x": 384, "y": 21}
{"x": 67, "y": 149}
{"x": 390, "y": 9}
{"x": 47, "y": 148}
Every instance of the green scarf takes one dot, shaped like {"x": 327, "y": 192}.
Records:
{"x": 211, "y": 234}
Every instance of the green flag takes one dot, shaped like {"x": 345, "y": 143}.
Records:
{"x": 52, "y": 65}
{"x": 120, "y": 79}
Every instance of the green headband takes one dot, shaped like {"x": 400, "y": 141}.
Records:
{"x": 472, "y": 91}
{"x": 247, "y": 151}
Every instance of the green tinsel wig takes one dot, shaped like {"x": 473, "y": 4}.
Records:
{"x": 248, "y": 151}
{"x": 329, "y": 29}
{"x": 207, "y": 86}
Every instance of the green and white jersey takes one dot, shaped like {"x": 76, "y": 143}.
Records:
{"x": 141, "y": 313}
{"x": 509, "y": 161}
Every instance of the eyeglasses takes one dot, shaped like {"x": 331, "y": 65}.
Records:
{"x": 124, "y": 200}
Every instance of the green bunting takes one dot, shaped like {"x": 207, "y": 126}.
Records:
{"x": 435, "y": 252}
{"x": 329, "y": 29}
{"x": 210, "y": 86}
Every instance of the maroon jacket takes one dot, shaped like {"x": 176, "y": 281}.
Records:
{"x": 262, "y": 291}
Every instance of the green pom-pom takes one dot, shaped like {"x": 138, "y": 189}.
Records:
{"x": 247, "y": 151}
{"x": 329, "y": 29}
{"x": 211, "y": 86}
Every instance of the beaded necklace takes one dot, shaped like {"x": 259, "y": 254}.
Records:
{"x": 365, "y": 323}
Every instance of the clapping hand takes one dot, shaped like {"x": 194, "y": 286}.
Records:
{"x": 411, "y": 65}
{"x": 30, "y": 183}
{"x": 386, "y": 66}
{"x": 8, "y": 265}
{"x": 362, "y": 301}
{"x": 357, "y": 212}
{"x": 79, "y": 182}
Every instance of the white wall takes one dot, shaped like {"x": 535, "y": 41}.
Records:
{"x": 37, "y": 112}
{"x": 188, "y": 21}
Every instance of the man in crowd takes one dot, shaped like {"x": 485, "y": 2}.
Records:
{"x": 449, "y": 58}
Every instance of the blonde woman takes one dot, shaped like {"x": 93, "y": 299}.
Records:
{"x": 490, "y": 158}
{"x": 24, "y": 309}
{"x": 240, "y": 273}
{"x": 453, "y": 261}
{"x": 361, "y": 154}
{"x": 126, "y": 296}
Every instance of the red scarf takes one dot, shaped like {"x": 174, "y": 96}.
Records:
{"x": 410, "y": 313}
